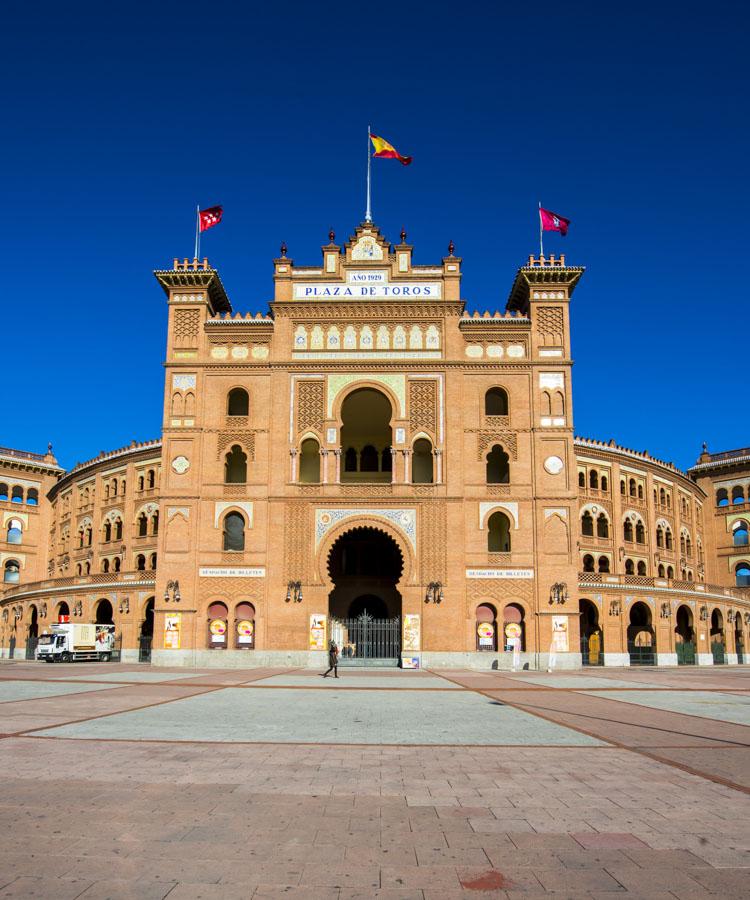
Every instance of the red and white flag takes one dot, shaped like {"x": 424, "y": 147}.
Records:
{"x": 552, "y": 222}
{"x": 210, "y": 217}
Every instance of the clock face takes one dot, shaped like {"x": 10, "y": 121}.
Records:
{"x": 367, "y": 248}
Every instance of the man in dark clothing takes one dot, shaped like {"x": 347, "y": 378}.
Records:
{"x": 333, "y": 660}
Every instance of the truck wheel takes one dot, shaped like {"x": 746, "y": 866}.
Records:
{"x": 104, "y": 657}
{"x": 66, "y": 657}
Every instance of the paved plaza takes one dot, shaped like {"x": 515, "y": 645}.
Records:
{"x": 122, "y": 781}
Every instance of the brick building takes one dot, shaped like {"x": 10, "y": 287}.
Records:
{"x": 369, "y": 462}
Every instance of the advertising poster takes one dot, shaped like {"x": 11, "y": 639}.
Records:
{"x": 218, "y": 630}
{"x": 486, "y": 634}
{"x": 411, "y": 633}
{"x": 410, "y": 662}
{"x": 245, "y": 632}
{"x": 560, "y": 634}
{"x": 172, "y": 631}
{"x": 317, "y": 632}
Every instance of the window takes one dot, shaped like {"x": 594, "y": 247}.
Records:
{"x": 740, "y": 534}
{"x": 594, "y": 479}
{"x": 640, "y": 492}
{"x": 689, "y": 545}
{"x": 3, "y": 491}
{"x": 11, "y": 572}
{"x": 588, "y": 563}
{"x": 629, "y": 567}
{"x": 32, "y": 497}
{"x": 350, "y": 460}
{"x": 141, "y": 482}
{"x": 659, "y": 536}
{"x": 670, "y": 572}
{"x": 151, "y": 478}
{"x": 582, "y": 479}
{"x": 632, "y": 487}
{"x": 107, "y": 532}
{"x": 682, "y": 544}
{"x": 496, "y": 402}
{"x": 668, "y": 538}
{"x": 16, "y": 495}
{"x": 15, "y": 531}
{"x": 498, "y": 469}
{"x": 155, "y": 523}
{"x": 238, "y": 402}
{"x": 738, "y": 495}
{"x": 587, "y": 525}
{"x": 105, "y": 566}
{"x": 118, "y": 529}
{"x": 604, "y": 484}
{"x": 722, "y": 497}
{"x": 235, "y": 466}
{"x": 641, "y": 568}
{"x": 640, "y": 533}
{"x": 602, "y": 526}
{"x": 368, "y": 459}
{"x": 113, "y": 487}
{"x": 142, "y": 525}
{"x": 741, "y": 571}
{"x": 661, "y": 570}
{"x": 421, "y": 465}
{"x": 152, "y": 564}
{"x": 89, "y": 536}
{"x": 498, "y": 533}
{"x": 622, "y": 487}
{"x": 662, "y": 497}
{"x": 604, "y": 564}
{"x": 627, "y": 530}
{"x": 234, "y": 532}
{"x": 309, "y": 462}
{"x": 140, "y": 562}
{"x": 116, "y": 564}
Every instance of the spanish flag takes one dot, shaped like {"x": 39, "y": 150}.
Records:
{"x": 388, "y": 151}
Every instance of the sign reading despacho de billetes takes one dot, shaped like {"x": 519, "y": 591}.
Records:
{"x": 231, "y": 572}
{"x": 499, "y": 573}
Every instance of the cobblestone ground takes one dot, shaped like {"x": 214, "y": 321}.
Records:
{"x": 121, "y": 781}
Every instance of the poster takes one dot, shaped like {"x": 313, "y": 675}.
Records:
{"x": 411, "y": 633}
{"x": 409, "y": 662}
{"x": 560, "y": 634}
{"x": 172, "y": 631}
{"x": 486, "y": 634}
{"x": 245, "y": 632}
{"x": 317, "y": 632}
{"x": 218, "y": 630}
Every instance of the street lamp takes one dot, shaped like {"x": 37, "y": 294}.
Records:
{"x": 172, "y": 591}
{"x": 558, "y": 593}
{"x": 294, "y": 592}
{"x": 434, "y": 592}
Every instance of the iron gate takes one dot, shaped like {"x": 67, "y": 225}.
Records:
{"x": 685, "y": 653}
{"x": 641, "y": 655}
{"x": 719, "y": 653}
{"x": 144, "y": 648}
{"x": 32, "y": 642}
{"x": 592, "y": 652}
{"x": 366, "y": 641}
{"x": 740, "y": 651}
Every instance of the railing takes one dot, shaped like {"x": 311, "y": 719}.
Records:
{"x": 22, "y": 454}
{"x": 52, "y": 584}
{"x": 697, "y": 587}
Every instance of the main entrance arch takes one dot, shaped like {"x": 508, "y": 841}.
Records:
{"x": 365, "y": 566}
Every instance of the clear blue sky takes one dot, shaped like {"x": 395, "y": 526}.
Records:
{"x": 629, "y": 119}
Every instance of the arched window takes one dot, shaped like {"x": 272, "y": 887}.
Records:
{"x": 116, "y": 564}
{"x": 234, "y": 532}
{"x": 659, "y": 536}
{"x": 421, "y": 462}
{"x": 113, "y": 487}
{"x": 722, "y": 498}
{"x": 309, "y": 462}
{"x": 368, "y": 459}
{"x": 661, "y": 570}
{"x": 627, "y": 530}
{"x": 740, "y": 534}
{"x": 604, "y": 485}
{"x": 670, "y": 572}
{"x": 602, "y": 526}
{"x": 498, "y": 533}
{"x": 140, "y": 563}
{"x": 632, "y": 487}
{"x": 689, "y": 575}
{"x": 662, "y": 497}
{"x": 738, "y": 494}
{"x": 80, "y": 538}
{"x": 151, "y": 478}
{"x": 582, "y": 479}
{"x": 238, "y": 402}
{"x": 89, "y": 536}
{"x": 604, "y": 564}
{"x": 32, "y": 497}
{"x": 594, "y": 479}
{"x": 155, "y": 523}
{"x": 587, "y": 525}
{"x": 640, "y": 533}
{"x": 588, "y": 563}
{"x": 107, "y": 532}
{"x": 386, "y": 460}
{"x": 15, "y": 531}
{"x": 498, "y": 468}
{"x": 16, "y": 495}
{"x": 152, "y": 562}
{"x": 496, "y": 402}
{"x": 106, "y": 492}
{"x": 640, "y": 492}
{"x": 11, "y": 572}
{"x": 79, "y": 569}
{"x": 3, "y": 491}
{"x": 688, "y": 545}
{"x": 682, "y": 544}
{"x": 105, "y": 566}
{"x": 141, "y": 483}
{"x": 235, "y": 466}
{"x": 629, "y": 567}
{"x": 142, "y": 525}
{"x": 741, "y": 572}
{"x": 641, "y": 567}
{"x": 350, "y": 460}
{"x": 668, "y": 538}
{"x": 118, "y": 529}
{"x": 87, "y": 569}
{"x": 622, "y": 487}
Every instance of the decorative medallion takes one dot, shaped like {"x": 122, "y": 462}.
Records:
{"x": 180, "y": 464}
{"x": 554, "y": 465}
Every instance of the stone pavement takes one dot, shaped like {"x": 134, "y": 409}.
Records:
{"x": 128, "y": 782}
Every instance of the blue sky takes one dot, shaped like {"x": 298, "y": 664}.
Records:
{"x": 632, "y": 121}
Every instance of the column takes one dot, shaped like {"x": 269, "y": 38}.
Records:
{"x": 438, "y": 466}
{"x": 407, "y": 466}
{"x": 337, "y": 454}
{"x": 324, "y": 455}
{"x": 293, "y": 454}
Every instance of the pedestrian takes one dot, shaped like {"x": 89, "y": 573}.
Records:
{"x": 333, "y": 660}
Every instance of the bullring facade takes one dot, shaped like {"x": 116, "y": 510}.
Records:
{"x": 371, "y": 463}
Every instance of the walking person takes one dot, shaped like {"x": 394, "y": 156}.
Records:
{"x": 333, "y": 660}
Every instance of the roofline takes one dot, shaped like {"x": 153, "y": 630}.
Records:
{"x": 132, "y": 449}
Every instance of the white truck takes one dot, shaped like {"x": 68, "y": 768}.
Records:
{"x": 71, "y": 641}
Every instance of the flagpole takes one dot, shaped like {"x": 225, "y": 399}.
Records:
{"x": 197, "y": 230}
{"x": 541, "y": 240}
{"x": 368, "y": 212}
